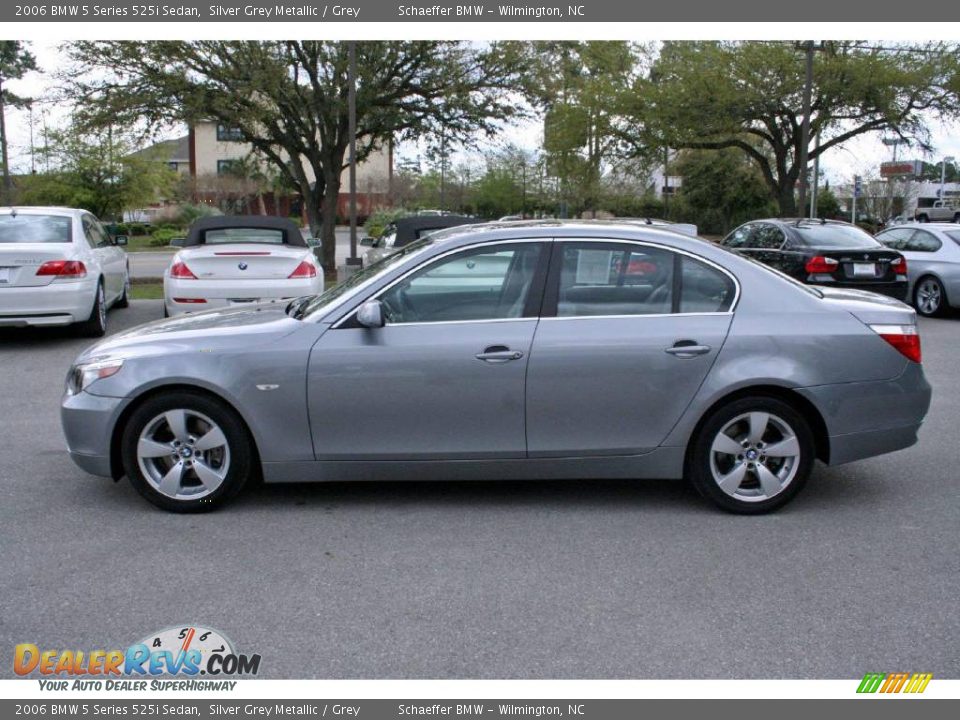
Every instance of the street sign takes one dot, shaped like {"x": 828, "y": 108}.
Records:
{"x": 857, "y": 185}
{"x": 900, "y": 168}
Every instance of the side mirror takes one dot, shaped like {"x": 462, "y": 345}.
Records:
{"x": 120, "y": 240}
{"x": 370, "y": 314}
{"x": 178, "y": 242}
{"x": 367, "y": 241}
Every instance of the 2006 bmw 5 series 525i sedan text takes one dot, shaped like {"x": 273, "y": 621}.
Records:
{"x": 539, "y": 350}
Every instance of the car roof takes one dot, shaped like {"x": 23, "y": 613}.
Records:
{"x": 924, "y": 226}
{"x": 199, "y": 228}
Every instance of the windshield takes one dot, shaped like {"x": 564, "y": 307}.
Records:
{"x": 843, "y": 237}
{"x": 34, "y": 228}
{"x": 326, "y": 299}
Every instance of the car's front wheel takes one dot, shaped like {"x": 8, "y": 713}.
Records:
{"x": 186, "y": 452}
{"x": 752, "y": 455}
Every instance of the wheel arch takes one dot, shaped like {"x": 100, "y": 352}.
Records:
{"x": 116, "y": 435}
{"x": 802, "y": 405}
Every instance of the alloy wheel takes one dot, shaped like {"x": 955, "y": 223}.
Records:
{"x": 183, "y": 454}
{"x": 929, "y": 296}
{"x": 755, "y": 456}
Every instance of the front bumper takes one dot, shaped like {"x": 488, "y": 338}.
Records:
{"x": 88, "y": 422}
{"x": 59, "y": 303}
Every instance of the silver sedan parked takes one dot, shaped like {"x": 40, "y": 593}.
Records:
{"x": 526, "y": 351}
{"x": 932, "y": 251}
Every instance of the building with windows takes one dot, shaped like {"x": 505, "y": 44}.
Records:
{"x": 210, "y": 152}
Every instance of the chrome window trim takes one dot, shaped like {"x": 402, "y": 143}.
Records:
{"x": 643, "y": 243}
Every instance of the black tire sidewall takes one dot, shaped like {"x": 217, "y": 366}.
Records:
{"x": 238, "y": 440}
{"x": 698, "y": 467}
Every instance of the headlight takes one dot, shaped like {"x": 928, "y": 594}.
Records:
{"x": 83, "y": 375}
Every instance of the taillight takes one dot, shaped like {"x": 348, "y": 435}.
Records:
{"x": 820, "y": 265}
{"x": 304, "y": 270}
{"x": 900, "y": 266}
{"x": 904, "y": 338}
{"x": 181, "y": 271}
{"x": 63, "y": 268}
{"x": 192, "y": 301}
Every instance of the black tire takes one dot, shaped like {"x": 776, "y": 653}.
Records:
{"x": 700, "y": 465}
{"x": 956, "y": 218}
{"x": 242, "y": 456}
{"x": 124, "y": 301}
{"x": 927, "y": 309}
{"x": 95, "y": 325}
{"x": 166, "y": 314}
{"x": 923, "y": 218}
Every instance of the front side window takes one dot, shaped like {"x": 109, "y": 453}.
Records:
{"x": 490, "y": 283}
{"x": 896, "y": 238}
{"x": 614, "y": 279}
{"x": 738, "y": 238}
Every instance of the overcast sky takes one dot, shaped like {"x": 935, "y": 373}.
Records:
{"x": 861, "y": 155}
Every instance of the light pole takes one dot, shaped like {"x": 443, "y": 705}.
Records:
{"x": 943, "y": 175}
{"x": 352, "y": 130}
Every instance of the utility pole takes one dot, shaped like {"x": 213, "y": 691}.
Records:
{"x": 816, "y": 178}
{"x": 805, "y": 128}
{"x": 443, "y": 170}
{"x": 666, "y": 184}
{"x": 943, "y": 176}
{"x": 352, "y": 129}
{"x": 6, "y": 191}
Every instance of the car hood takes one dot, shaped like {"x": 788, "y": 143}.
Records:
{"x": 207, "y": 331}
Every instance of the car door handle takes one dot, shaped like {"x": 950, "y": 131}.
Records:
{"x": 498, "y": 354}
{"x": 687, "y": 349}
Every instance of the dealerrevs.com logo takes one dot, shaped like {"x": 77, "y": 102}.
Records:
{"x": 887, "y": 683}
{"x": 181, "y": 652}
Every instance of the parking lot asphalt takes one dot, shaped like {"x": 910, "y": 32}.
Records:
{"x": 489, "y": 580}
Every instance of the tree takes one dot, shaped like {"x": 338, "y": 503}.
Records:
{"x": 720, "y": 189}
{"x": 15, "y": 62}
{"x": 101, "y": 173}
{"x": 748, "y": 96}
{"x": 828, "y": 204}
{"x": 579, "y": 86}
{"x": 288, "y": 99}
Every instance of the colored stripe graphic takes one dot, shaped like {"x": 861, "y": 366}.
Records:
{"x": 894, "y": 682}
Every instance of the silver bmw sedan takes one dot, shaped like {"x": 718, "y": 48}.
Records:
{"x": 538, "y": 350}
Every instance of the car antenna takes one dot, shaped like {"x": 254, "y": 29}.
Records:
{"x": 648, "y": 221}
{"x": 823, "y": 221}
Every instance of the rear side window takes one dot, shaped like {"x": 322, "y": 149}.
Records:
{"x": 766, "y": 237}
{"x": 34, "y": 229}
{"x": 243, "y": 235}
{"x": 923, "y": 241}
{"x": 704, "y": 288}
{"x": 614, "y": 279}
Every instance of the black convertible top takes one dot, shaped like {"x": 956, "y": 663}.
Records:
{"x": 291, "y": 233}
{"x": 409, "y": 228}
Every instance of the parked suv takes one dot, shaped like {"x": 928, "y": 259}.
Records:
{"x": 823, "y": 252}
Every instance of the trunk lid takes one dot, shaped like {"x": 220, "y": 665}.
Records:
{"x": 861, "y": 265}
{"x": 19, "y": 262}
{"x": 243, "y": 261}
{"x": 870, "y": 308}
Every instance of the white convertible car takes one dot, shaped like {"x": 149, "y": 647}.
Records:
{"x": 58, "y": 266}
{"x": 243, "y": 259}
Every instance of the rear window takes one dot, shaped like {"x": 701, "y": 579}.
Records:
{"x": 34, "y": 229}
{"x": 842, "y": 237}
{"x": 243, "y": 235}
{"x": 953, "y": 235}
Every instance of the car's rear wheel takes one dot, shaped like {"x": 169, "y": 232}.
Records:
{"x": 96, "y": 324}
{"x": 929, "y": 297}
{"x": 752, "y": 455}
{"x": 186, "y": 452}
{"x": 923, "y": 218}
